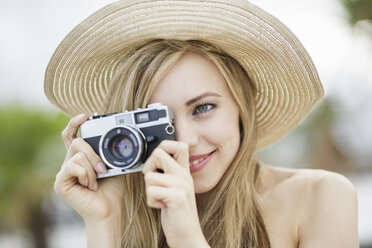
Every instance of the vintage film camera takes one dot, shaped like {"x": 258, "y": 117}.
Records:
{"x": 124, "y": 141}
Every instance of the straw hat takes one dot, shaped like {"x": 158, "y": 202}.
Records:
{"x": 78, "y": 75}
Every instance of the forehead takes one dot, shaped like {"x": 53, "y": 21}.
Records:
{"x": 190, "y": 76}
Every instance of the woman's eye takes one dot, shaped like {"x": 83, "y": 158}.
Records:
{"x": 203, "y": 109}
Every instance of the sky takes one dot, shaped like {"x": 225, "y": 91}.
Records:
{"x": 31, "y": 30}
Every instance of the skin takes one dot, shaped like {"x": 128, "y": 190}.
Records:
{"x": 308, "y": 208}
{"x": 210, "y": 123}
{"x": 301, "y": 208}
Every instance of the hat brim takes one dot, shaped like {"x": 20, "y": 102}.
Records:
{"x": 79, "y": 72}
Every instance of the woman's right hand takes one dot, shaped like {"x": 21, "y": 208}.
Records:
{"x": 76, "y": 182}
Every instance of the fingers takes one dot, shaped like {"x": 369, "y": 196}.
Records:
{"x": 168, "y": 190}
{"x": 70, "y": 132}
{"x": 168, "y": 180}
{"x": 74, "y": 144}
{"x": 81, "y": 164}
{"x": 170, "y": 157}
{"x": 80, "y": 160}
{"x": 160, "y": 160}
{"x": 158, "y": 197}
{"x": 179, "y": 151}
{"x": 76, "y": 170}
{"x": 79, "y": 145}
{"x": 169, "y": 197}
{"x": 174, "y": 186}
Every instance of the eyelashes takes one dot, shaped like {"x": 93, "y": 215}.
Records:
{"x": 203, "y": 108}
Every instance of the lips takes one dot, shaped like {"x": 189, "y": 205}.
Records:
{"x": 198, "y": 162}
{"x": 194, "y": 158}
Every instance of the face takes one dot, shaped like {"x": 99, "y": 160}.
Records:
{"x": 206, "y": 117}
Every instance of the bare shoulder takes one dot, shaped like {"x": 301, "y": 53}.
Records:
{"x": 322, "y": 205}
{"x": 308, "y": 184}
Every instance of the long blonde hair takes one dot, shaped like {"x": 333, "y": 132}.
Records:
{"x": 229, "y": 214}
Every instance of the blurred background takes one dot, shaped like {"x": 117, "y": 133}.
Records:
{"x": 336, "y": 136}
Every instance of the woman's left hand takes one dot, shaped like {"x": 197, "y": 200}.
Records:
{"x": 172, "y": 191}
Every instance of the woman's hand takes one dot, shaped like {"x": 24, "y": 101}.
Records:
{"x": 77, "y": 184}
{"x": 173, "y": 193}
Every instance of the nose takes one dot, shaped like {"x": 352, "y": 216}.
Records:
{"x": 186, "y": 132}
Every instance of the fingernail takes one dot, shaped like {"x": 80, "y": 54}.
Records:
{"x": 102, "y": 167}
{"x": 86, "y": 182}
{"x": 95, "y": 186}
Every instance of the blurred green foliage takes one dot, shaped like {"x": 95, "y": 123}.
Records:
{"x": 358, "y": 10}
{"x": 31, "y": 153}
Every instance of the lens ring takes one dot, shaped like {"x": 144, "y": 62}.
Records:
{"x": 126, "y": 154}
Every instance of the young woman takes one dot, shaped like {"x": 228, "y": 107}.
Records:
{"x": 237, "y": 80}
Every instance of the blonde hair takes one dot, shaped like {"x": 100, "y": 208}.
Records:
{"x": 229, "y": 214}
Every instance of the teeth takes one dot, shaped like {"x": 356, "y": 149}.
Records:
{"x": 195, "y": 162}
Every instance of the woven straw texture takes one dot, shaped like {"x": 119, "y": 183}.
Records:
{"x": 79, "y": 72}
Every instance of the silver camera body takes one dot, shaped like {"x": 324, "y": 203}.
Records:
{"x": 125, "y": 140}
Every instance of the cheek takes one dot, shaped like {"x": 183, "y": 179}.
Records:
{"x": 223, "y": 130}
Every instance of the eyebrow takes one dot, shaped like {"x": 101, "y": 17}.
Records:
{"x": 195, "y": 99}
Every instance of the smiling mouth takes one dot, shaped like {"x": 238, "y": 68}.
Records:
{"x": 197, "y": 161}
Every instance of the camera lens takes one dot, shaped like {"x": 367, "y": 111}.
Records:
{"x": 122, "y": 147}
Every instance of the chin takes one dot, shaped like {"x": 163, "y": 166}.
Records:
{"x": 203, "y": 187}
